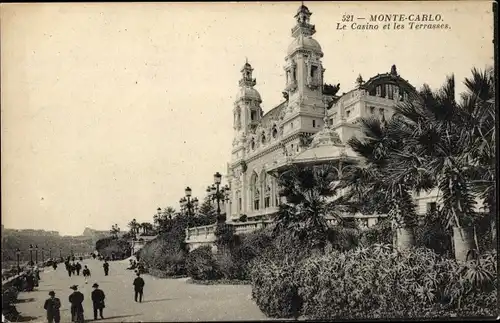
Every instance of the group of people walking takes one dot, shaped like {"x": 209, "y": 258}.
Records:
{"x": 53, "y": 305}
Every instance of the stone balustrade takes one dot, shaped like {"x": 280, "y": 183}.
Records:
{"x": 205, "y": 235}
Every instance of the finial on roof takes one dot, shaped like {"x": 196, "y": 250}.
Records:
{"x": 393, "y": 70}
{"x": 359, "y": 80}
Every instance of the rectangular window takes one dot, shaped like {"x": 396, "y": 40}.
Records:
{"x": 256, "y": 205}
{"x": 252, "y": 115}
{"x": 267, "y": 202}
{"x": 314, "y": 123}
{"x": 239, "y": 203}
{"x": 347, "y": 113}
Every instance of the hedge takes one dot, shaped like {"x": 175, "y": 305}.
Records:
{"x": 373, "y": 283}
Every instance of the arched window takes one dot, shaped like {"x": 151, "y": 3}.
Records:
{"x": 267, "y": 193}
{"x": 253, "y": 144}
{"x": 255, "y": 192}
{"x": 275, "y": 132}
{"x": 263, "y": 138}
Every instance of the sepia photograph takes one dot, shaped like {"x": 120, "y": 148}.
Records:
{"x": 248, "y": 161}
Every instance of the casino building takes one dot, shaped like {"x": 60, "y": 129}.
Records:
{"x": 311, "y": 125}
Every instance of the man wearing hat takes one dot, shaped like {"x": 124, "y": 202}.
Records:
{"x": 98, "y": 300}
{"x": 52, "y": 306}
{"x": 76, "y": 299}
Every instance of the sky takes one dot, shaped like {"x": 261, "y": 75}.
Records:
{"x": 109, "y": 111}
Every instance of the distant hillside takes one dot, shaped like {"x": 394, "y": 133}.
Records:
{"x": 89, "y": 232}
{"x": 49, "y": 240}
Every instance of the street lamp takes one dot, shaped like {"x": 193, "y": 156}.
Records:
{"x": 18, "y": 253}
{"x": 36, "y": 254}
{"x": 60, "y": 252}
{"x": 219, "y": 193}
{"x": 43, "y": 256}
{"x": 188, "y": 205}
{"x": 31, "y": 254}
{"x": 50, "y": 253}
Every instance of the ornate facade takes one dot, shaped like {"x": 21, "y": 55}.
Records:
{"x": 312, "y": 124}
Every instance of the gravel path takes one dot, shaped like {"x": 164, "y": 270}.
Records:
{"x": 165, "y": 300}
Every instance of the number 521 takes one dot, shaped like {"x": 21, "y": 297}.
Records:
{"x": 347, "y": 18}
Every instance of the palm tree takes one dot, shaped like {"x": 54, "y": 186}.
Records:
{"x": 379, "y": 181}
{"x": 452, "y": 143}
{"x": 115, "y": 229}
{"x": 311, "y": 192}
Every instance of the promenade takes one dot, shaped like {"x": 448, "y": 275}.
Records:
{"x": 165, "y": 300}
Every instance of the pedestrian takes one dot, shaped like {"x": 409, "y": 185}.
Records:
{"x": 86, "y": 273}
{"x": 68, "y": 267}
{"x": 138, "y": 287}
{"x": 73, "y": 268}
{"x": 105, "y": 265}
{"x": 30, "y": 281}
{"x": 76, "y": 299}
{"x": 52, "y": 306}
{"x": 78, "y": 267}
{"x": 54, "y": 265}
{"x": 98, "y": 300}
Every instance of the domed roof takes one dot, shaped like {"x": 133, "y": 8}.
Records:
{"x": 248, "y": 93}
{"x": 304, "y": 42}
{"x": 326, "y": 136}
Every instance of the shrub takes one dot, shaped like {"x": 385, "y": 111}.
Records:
{"x": 201, "y": 265}
{"x": 233, "y": 260}
{"x": 164, "y": 254}
{"x": 113, "y": 246}
{"x": 376, "y": 282}
{"x": 9, "y": 298}
{"x": 379, "y": 233}
{"x": 274, "y": 287}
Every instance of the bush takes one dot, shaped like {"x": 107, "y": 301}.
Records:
{"x": 379, "y": 233}
{"x": 201, "y": 264}
{"x": 165, "y": 254}
{"x": 376, "y": 282}
{"x": 111, "y": 246}
{"x": 274, "y": 287}
{"x": 9, "y": 298}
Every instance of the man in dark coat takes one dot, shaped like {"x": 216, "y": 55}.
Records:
{"x": 68, "y": 267}
{"x": 105, "y": 265}
{"x": 52, "y": 306}
{"x": 86, "y": 274}
{"x": 138, "y": 287}
{"x": 78, "y": 267}
{"x": 76, "y": 300}
{"x": 98, "y": 300}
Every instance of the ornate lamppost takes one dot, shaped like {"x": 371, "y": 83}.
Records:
{"x": 43, "y": 255}
{"x": 36, "y": 254}
{"x": 60, "y": 252}
{"x": 18, "y": 253}
{"x": 188, "y": 205}
{"x": 219, "y": 194}
{"x": 31, "y": 254}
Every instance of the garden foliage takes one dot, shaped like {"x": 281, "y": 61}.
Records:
{"x": 375, "y": 282}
